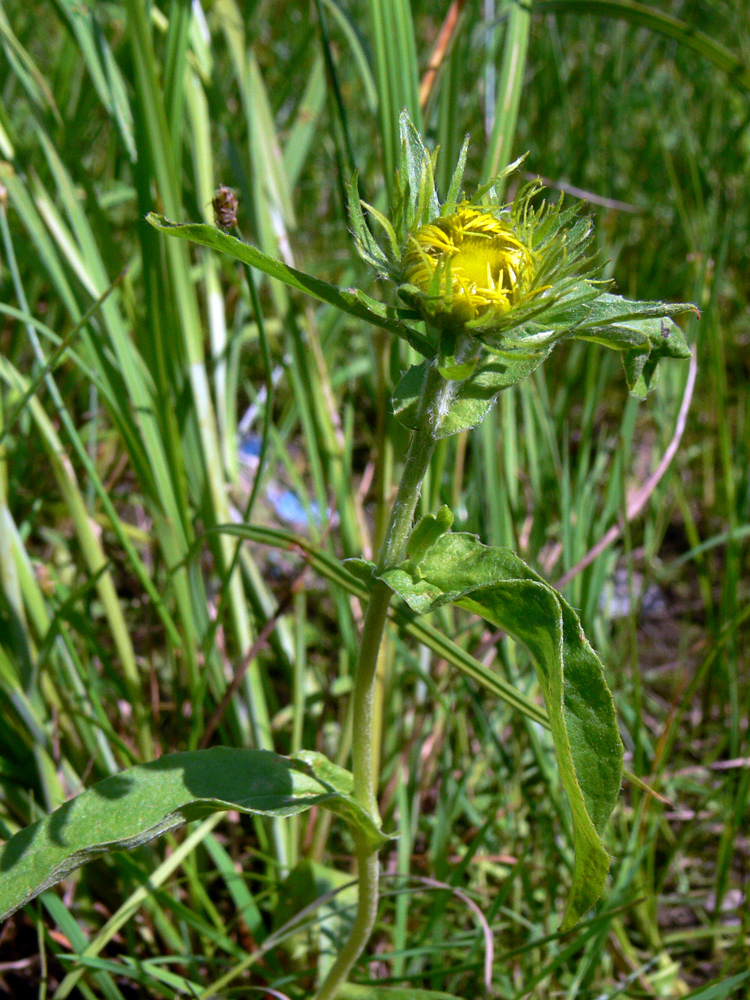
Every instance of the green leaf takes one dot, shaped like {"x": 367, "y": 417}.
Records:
{"x": 340, "y": 783}
{"x": 658, "y": 21}
{"x": 349, "y": 300}
{"x": 474, "y": 395}
{"x": 454, "y": 362}
{"x": 612, "y": 309}
{"x": 718, "y": 990}
{"x": 644, "y": 331}
{"x": 497, "y": 585}
{"x": 145, "y": 801}
{"x": 353, "y": 991}
{"x": 426, "y": 533}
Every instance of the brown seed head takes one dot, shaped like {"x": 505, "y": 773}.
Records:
{"x": 225, "y": 208}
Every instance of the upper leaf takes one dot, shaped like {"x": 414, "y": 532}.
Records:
{"x": 644, "y": 331}
{"x": 349, "y": 300}
{"x": 426, "y": 533}
{"x": 473, "y": 396}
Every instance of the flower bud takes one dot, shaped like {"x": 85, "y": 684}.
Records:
{"x": 468, "y": 266}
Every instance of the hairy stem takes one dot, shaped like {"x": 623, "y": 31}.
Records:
{"x": 436, "y": 393}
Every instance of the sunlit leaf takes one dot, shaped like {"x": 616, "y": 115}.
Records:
{"x": 147, "y": 800}
{"x": 474, "y": 395}
{"x": 497, "y": 585}
{"x": 349, "y": 300}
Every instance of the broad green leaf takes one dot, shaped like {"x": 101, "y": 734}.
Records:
{"x": 608, "y": 308}
{"x": 349, "y": 300}
{"x": 147, "y": 800}
{"x": 340, "y": 783}
{"x": 644, "y": 331}
{"x": 497, "y": 585}
{"x": 474, "y": 395}
{"x": 353, "y": 991}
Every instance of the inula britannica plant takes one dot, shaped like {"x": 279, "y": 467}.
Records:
{"x": 483, "y": 291}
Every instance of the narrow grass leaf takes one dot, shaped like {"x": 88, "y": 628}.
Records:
{"x": 353, "y": 991}
{"x": 717, "y": 991}
{"x": 649, "y": 16}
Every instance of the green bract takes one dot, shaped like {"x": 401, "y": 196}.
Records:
{"x": 492, "y": 281}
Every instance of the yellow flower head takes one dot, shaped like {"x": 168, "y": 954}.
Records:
{"x": 488, "y": 274}
{"x": 470, "y": 264}
{"x": 490, "y": 288}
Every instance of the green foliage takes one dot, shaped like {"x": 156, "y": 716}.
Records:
{"x": 348, "y": 300}
{"x": 149, "y": 800}
{"x": 497, "y": 585}
{"x": 426, "y": 533}
{"x": 474, "y": 395}
{"x": 135, "y": 620}
{"x": 350, "y": 991}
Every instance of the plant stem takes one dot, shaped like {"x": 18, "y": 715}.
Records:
{"x": 436, "y": 393}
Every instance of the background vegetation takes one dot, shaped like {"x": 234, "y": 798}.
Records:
{"x": 128, "y": 628}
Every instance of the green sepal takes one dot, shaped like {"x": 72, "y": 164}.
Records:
{"x": 454, "y": 189}
{"x": 385, "y": 223}
{"x": 367, "y": 246}
{"x": 415, "y": 166}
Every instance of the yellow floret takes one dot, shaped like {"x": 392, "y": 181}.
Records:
{"x": 470, "y": 264}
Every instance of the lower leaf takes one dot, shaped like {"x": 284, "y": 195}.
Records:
{"x": 147, "y": 800}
